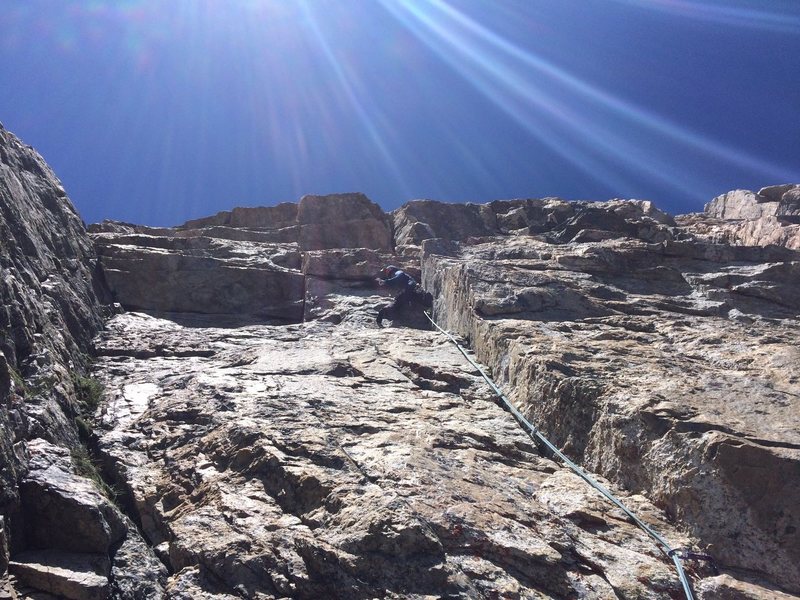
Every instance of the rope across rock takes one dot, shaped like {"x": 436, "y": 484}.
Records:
{"x": 677, "y": 555}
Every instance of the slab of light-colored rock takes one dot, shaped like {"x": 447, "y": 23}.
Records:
{"x": 342, "y": 221}
{"x": 321, "y": 461}
{"x": 337, "y": 459}
{"x": 65, "y": 575}
{"x": 771, "y": 216}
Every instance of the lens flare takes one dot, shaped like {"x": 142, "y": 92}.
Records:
{"x": 601, "y": 134}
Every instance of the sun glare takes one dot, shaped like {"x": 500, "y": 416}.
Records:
{"x": 574, "y": 118}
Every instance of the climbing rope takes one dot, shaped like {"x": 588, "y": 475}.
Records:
{"x": 677, "y": 555}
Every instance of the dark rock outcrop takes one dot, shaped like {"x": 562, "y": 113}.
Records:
{"x": 62, "y": 510}
{"x": 55, "y": 528}
{"x": 50, "y": 288}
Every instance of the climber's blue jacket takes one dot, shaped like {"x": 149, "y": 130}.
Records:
{"x": 400, "y": 280}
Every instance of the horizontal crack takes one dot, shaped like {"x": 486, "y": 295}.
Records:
{"x": 134, "y": 353}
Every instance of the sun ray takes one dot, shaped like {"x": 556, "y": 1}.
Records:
{"x": 748, "y": 17}
{"x": 370, "y": 119}
{"x": 501, "y": 71}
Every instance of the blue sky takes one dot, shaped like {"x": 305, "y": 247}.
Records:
{"x": 156, "y": 111}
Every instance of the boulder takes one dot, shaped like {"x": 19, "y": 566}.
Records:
{"x": 615, "y": 219}
{"x": 776, "y": 193}
{"x": 789, "y": 205}
{"x": 420, "y": 220}
{"x": 740, "y": 204}
{"x": 770, "y": 217}
{"x": 63, "y": 511}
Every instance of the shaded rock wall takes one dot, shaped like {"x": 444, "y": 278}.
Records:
{"x": 50, "y": 311}
{"x": 56, "y": 529}
{"x": 245, "y": 262}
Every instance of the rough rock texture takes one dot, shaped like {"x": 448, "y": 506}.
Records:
{"x": 342, "y": 221}
{"x": 425, "y": 219}
{"x": 52, "y": 306}
{"x": 657, "y": 365}
{"x": 62, "y": 510}
{"x": 246, "y": 262}
{"x": 319, "y": 460}
{"x": 49, "y": 310}
{"x": 201, "y": 274}
{"x": 359, "y": 445}
{"x": 741, "y": 217}
{"x": 325, "y": 457}
{"x": 64, "y": 575}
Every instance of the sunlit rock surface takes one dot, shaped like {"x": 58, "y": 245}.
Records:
{"x": 268, "y": 440}
{"x": 657, "y": 359}
{"x": 318, "y": 460}
{"x": 659, "y": 366}
{"x": 741, "y": 217}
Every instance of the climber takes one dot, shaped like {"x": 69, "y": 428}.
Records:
{"x": 397, "y": 278}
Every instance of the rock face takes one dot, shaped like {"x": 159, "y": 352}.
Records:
{"x": 270, "y": 441}
{"x": 50, "y": 312}
{"x": 656, "y": 366}
{"x": 741, "y": 217}
{"x": 246, "y": 262}
{"x": 318, "y": 460}
{"x": 55, "y": 527}
{"x": 66, "y": 512}
{"x": 425, "y": 219}
{"x": 590, "y": 314}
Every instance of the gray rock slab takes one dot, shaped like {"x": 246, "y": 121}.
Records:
{"x": 65, "y": 575}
